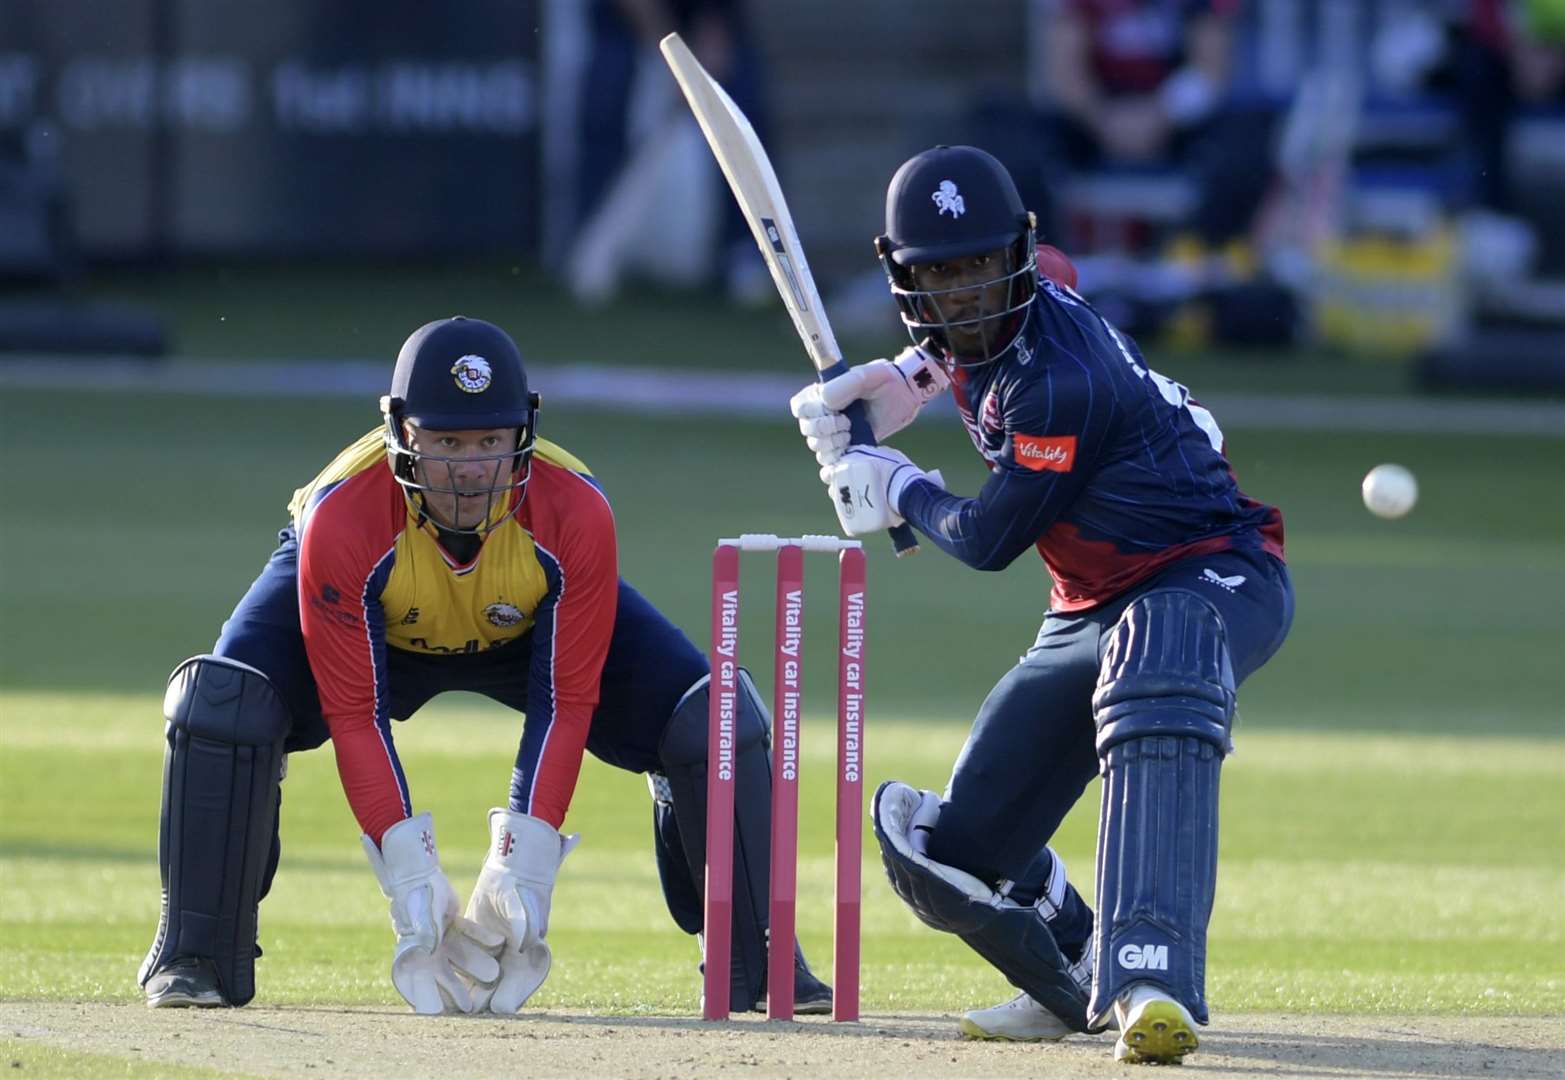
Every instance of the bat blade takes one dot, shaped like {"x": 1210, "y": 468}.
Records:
{"x": 753, "y": 181}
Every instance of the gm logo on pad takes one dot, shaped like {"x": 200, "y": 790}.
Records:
{"x": 1133, "y": 957}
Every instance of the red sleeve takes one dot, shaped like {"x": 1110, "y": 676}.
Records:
{"x": 346, "y": 549}
{"x": 573, "y": 531}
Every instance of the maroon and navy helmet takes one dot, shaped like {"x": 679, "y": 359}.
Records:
{"x": 952, "y": 202}
{"x": 461, "y": 374}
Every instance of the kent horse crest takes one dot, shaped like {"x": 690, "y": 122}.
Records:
{"x": 948, "y": 200}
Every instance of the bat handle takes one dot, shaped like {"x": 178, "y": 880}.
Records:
{"x": 861, "y": 434}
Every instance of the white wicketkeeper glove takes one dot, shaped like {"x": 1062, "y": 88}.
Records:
{"x": 893, "y": 391}
{"x": 511, "y": 899}
{"x": 866, "y": 484}
{"x": 436, "y": 947}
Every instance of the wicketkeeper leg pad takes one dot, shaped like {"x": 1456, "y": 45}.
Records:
{"x": 1164, "y": 710}
{"x": 1014, "y": 938}
{"x": 668, "y": 848}
{"x": 221, "y": 775}
{"x": 683, "y": 752}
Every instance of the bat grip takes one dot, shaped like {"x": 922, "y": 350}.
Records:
{"x": 861, "y": 434}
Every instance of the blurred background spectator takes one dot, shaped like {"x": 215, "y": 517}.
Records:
{"x": 1510, "y": 60}
{"x": 1134, "y": 89}
{"x": 650, "y": 199}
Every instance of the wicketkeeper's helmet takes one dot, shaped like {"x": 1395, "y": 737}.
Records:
{"x": 952, "y": 202}
{"x": 461, "y": 374}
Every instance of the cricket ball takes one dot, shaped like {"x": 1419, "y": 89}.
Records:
{"x": 1390, "y": 491}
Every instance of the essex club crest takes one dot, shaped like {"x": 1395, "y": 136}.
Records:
{"x": 473, "y": 374}
{"x": 503, "y": 615}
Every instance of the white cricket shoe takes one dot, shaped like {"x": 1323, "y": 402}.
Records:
{"x": 1154, "y": 1028}
{"x": 1019, "y": 1020}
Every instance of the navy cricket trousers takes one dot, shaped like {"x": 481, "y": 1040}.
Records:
{"x": 1032, "y": 749}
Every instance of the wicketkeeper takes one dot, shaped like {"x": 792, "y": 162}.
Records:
{"x": 449, "y": 549}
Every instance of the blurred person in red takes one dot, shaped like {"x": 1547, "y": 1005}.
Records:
{"x": 1513, "y": 60}
{"x": 1137, "y": 84}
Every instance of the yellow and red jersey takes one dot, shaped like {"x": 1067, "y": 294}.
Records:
{"x": 373, "y": 576}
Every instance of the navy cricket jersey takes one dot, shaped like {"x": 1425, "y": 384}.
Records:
{"x": 1111, "y": 470}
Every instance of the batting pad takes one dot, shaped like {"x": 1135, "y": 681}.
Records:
{"x": 1164, "y": 709}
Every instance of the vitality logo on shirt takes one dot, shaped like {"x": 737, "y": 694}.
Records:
{"x": 1041, "y": 453}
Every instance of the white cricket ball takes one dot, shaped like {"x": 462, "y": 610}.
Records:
{"x": 1390, "y": 491}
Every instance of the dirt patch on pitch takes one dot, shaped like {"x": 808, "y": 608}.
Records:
{"x": 377, "y": 1042}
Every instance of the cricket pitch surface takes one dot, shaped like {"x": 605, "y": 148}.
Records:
{"x": 323, "y": 1041}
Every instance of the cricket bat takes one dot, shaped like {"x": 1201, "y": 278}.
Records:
{"x": 754, "y": 184}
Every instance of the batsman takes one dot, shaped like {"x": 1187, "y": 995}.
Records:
{"x": 1169, "y": 589}
{"x": 449, "y": 549}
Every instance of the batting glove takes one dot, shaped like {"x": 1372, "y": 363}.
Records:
{"x": 866, "y": 484}
{"x": 435, "y": 947}
{"x": 893, "y": 391}
{"x": 512, "y": 899}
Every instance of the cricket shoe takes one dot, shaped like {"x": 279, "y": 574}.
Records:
{"x": 811, "y": 997}
{"x": 1022, "y": 1019}
{"x": 185, "y": 982}
{"x": 1019, "y": 1020}
{"x": 1154, "y": 1029}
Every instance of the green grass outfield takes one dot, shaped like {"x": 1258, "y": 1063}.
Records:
{"x": 1360, "y": 873}
{"x": 1392, "y": 824}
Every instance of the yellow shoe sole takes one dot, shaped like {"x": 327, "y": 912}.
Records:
{"x": 971, "y": 1030}
{"x": 1159, "y": 1036}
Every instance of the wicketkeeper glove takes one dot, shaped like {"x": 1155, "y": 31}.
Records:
{"x": 511, "y": 900}
{"x": 893, "y": 391}
{"x": 436, "y": 947}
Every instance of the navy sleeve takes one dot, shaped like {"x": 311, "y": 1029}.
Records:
{"x": 1056, "y": 426}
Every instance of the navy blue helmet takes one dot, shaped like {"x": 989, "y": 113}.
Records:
{"x": 461, "y": 374}
{"x": 950, "y": 203}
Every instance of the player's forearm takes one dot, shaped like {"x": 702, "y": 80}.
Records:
{"x": 979, "y": 532}
{"x": 544, "y": 788}
{"x": 570, "y": 643}
{"x": 372, "y": 779}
